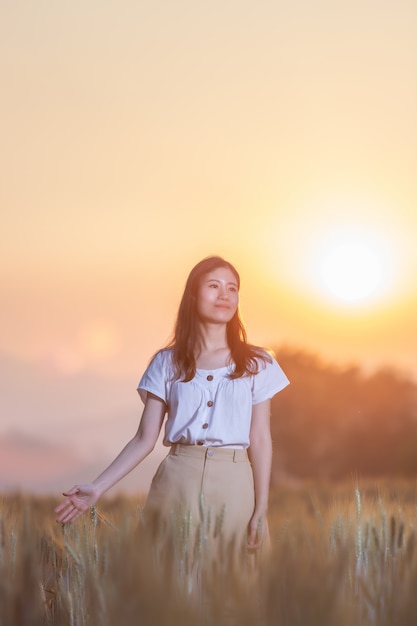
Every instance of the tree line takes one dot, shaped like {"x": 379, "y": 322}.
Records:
{"x": 334, "y": 422}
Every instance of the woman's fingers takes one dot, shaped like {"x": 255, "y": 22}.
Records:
{"x": 63, "y": 504}
{"x": 69, "y": 511}
{"x": 71, "y": 516}
{"x": 252, "y": 539}
{"x": 60, "y": 507}
{"x": 72, "y": 507}
{"x": 255, "y": 533}
{"x": 253, "y": 542}
{"x": 65, "y": 512}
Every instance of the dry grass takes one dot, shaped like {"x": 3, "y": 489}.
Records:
{"x": 344, "y": 556}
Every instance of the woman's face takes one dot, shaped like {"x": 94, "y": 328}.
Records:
{"x": 218, "y": 296}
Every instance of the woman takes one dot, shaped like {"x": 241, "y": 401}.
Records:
{"x": 216, "y": 390}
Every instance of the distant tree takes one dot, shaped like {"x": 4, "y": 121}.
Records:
{"x": 334, "y": 422}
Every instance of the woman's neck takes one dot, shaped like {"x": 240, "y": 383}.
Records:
{"x": 213, "y": 350}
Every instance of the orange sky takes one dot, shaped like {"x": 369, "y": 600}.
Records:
{"x": 139, "y": 137}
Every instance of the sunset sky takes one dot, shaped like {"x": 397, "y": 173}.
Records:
{"x": 140, "y": 136}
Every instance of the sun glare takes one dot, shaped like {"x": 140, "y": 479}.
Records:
{"x": 344, "y": 252}
{"x": 351, "y": 271}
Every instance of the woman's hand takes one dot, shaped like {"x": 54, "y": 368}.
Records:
{"x": 79, "y": 499}
{"x": 257, "y": 531}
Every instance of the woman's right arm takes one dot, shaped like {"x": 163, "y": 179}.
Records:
{"x": 82, "y": 497}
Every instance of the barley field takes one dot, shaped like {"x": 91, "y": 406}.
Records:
{"x": 340, "y": 556}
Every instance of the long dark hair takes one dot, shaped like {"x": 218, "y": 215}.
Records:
{"x": 186, "y": 333}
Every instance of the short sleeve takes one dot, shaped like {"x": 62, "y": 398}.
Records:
{"x": 156, "y": 376}
{"x": 268, "y": 381}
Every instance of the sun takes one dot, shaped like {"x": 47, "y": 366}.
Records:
{"x": 345, "y": 253}
{"x": 351, "y": 270}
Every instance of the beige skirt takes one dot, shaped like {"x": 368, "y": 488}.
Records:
{"x": 204, "y": 494}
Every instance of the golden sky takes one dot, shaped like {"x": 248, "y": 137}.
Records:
{"x": 139, "y": 137}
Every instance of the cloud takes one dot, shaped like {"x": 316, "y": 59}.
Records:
{"x": 27, "y": 463}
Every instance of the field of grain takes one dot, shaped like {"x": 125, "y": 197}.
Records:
{"x": 341, "y": 555}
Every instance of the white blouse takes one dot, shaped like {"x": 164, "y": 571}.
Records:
{"x": 211, "y": 409}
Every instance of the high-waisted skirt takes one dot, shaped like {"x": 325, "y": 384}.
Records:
{"x": 204, "y": 494}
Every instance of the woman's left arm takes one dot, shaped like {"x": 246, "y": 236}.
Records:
{"x": 260, "y": 456}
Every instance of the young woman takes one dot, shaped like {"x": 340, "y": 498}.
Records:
{"x": 215, "y": 389}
